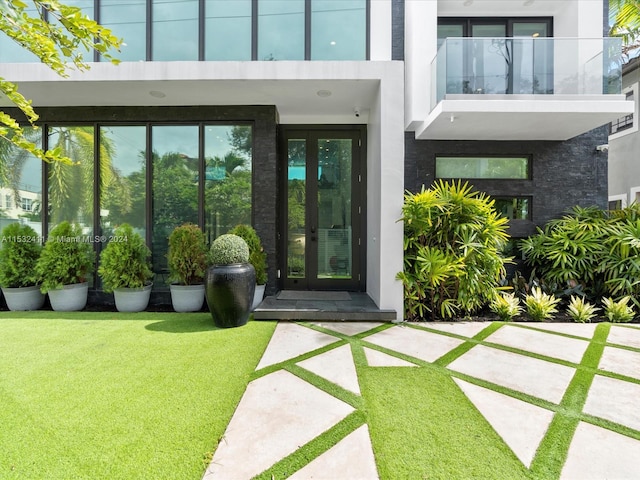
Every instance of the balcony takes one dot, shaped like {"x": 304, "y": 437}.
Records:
{"x": 523, "y": 88}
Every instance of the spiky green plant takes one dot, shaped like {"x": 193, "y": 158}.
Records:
{"x": 124, "y": 263}
{"x": 541, "y": 306}
{"x": 506, "y": 306}
{"x": 453, "y": 246}
{"x": 19, "y": 252}
{"x": 618, "y": 311}
{"x": 580, "y": 310}
{"x": 187, "y": 255}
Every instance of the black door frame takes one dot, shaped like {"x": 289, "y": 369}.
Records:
{"x": 358, "y": 207}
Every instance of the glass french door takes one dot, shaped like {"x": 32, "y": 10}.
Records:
{"x": 323, "y": 210}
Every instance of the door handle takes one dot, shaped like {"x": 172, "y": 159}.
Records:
{"x": 313, "y": 236}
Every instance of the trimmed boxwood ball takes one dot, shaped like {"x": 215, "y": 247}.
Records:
{"x": 228, "y": 249}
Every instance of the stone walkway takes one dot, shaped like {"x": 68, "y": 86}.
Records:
{"x": 519, "y": 376}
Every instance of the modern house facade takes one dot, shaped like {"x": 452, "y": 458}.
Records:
{"x": 624, "y": 144}
{"x": 311, "y": 118}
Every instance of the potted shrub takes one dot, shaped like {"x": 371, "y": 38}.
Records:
{"x": 125, "y": 270}
{"x": 187, "y": 260}
{"x": 65, "y": 263}
{"x": 19, "y": 252}
{"x": 257, "y": 258}
{"x": 230, "y": 281}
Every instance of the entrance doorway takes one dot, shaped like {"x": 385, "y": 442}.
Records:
{"x": 323, "y": 208}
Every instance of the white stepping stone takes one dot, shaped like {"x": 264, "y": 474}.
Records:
{"x": 277, "y": 414}
{"x": 585, "y": 330}
{"x": 466, "y": 329}
{"x": 555, "y": 346}
{"x": 520, "y": 424}
{"x": 350, "y": 459}
{"x": 597, "y": 453}
{"x": 290, "y": 340}
{"x": 614, "y": 400}
{"x": 421, "y": 344}
{"x": 336, "y": 366}
{"x": 624, "y": 362}
{"x": 629, "y": 337}
{"x": 525, "y": 374}
{"x": 379, "y": 359}
{"x": 348, "y": 328}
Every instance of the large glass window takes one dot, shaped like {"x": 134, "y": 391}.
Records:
{"x": 123, "y": 181}
{"x": 127, "y": 20}
{"x": 175, "y": 187}
{"x": 20, "y": 184}
{"x": 10, "y": 51}
{"x": 175, "y": 30}
{"x": 228, "y": 30}
{"x": 71, "y": 186}
{"x": 482, "y": 167}
{"x": 513, "y": 208}
{"x": 281, "y": 30}
{"x": 228, "y": 156}
{"x": 338, "y": 30}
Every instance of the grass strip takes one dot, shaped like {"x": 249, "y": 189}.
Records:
{"x": 553, "y": 450}
{"x": 89, "y": 395}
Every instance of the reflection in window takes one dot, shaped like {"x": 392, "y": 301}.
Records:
{"x": 175, "y": 30}
{"x": 281, "y": 30}
{"x": 21, "y": 175}
{"x": 123, "y": 192}
{"x": 175, "y": 187}
{"x": 513, "y": 208}
{"x": 11, "y": 52}
{"x": 76, "y": 143}
{"x": 482, "y": 167}
{"x": 338, "y": 30}
{"x": 127, "y": 20}
{"x": 296, "y": 207}
{"x": 228, "y": 30}
{"x": 228, "y": 158}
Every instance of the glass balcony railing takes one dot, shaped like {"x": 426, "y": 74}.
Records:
{"x": 527, "y": 66}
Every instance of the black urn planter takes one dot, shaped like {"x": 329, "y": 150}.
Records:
{"x": 229, "y": 293}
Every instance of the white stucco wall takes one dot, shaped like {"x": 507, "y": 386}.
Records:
{"x": 380, "y": 38}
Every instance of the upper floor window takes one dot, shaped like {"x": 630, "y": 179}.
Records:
{"x": 626, "y": 122}
{"x": 175, "y": 30}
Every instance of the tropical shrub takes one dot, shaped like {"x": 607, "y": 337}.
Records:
{"x": 541, "y": 306}
{"x": 453, "y": 239}
{"x": 67, "y": 258}
{"x": 228, "y": 249}
{"x": 257, "y": 255}
{"x": 580, "y": 310}
{"x": 187, "y": 255}
{"x": 618, "y": 311}
{"x": 124, "y": 263}
{"x": 506, "y": 306}
{"x": 19, "y": 252}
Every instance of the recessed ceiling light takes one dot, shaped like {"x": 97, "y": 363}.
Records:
{"x": 157, "y": 94}
{"x": 332, "y": 42}
{"x": 323, "y": 93}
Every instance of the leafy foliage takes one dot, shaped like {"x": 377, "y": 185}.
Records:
{"x": 618, "y": 311}
{"x": 124, "y": 263}
{"x": 257, "y": 255}
{"x": 506, "y": 306}
{"x": 19, "y": 252}
{"x": 453, "y": 242}
{"x": 228, "y": 249}
{"x": 580, "y": 310}
{"x": 60, "y": 42}
{"x": 540, "y": 306}
{"x": 187, "y": 256}
{"x": 67, "y": 258}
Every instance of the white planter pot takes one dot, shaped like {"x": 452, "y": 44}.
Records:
{"x": 258, "y": 296}
{"x": 23, "y": 298}
{"x": 132, "y": 299}
{"x": 187, "y": 298}
{"x": 69, "y": 298}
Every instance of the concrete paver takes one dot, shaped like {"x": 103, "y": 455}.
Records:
{"x": 348, "y": 328}
{"x": 629, "y": 337}
{"x": 380, "y": 359}
{"x": 541, "y": 379}
{"x": 420, "y": 344}
{"x": 624, "y": 362}
{"x": 467, "y": 329}
{"x": 585, "y": 330}
{"x": 614, "y": 400}
{"x": 336, "y": 366}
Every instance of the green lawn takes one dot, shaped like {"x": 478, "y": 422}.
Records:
{"x": 118, "y": 396}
